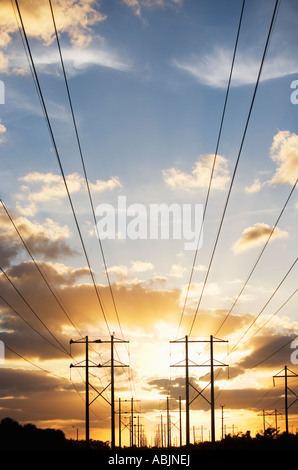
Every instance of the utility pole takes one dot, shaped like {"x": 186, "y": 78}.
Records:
{"x": 222, "y": 421}
{"x": 268, "y": 424}
{"x": 131, "y": 420}
{"x": 180, "y": 422}
{"x": 287, "y": 374}
{"x": 120, "y": 425}
{"x": 187, "y": 390}
{"x": 275, "y": 414}
{"x": 86, "y": 366}
{"x": 264, "y": 421}
{"x": 188, "y": 364}
{"x": 168, "y": 424}
{"x": 112, "y": 365}
{"x": 132, "y": 401}
{"x": 161, "y": 428}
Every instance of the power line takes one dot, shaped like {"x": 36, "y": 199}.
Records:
{"x": 213, "y": 166}
{"x": 259, "y": 257}
{"x": 261, "y": 311}
{"x": 31, "y": 326}
{"x": 237, "y": 160}
{"x": 269, "y": 319}
{"x": 83, "y": 163}
{"x": 33, "y": 364}
{"x": 50, "y": 373}
{"x": 27, "y": 323}
{"x": 273, "y": 353}
{"x": 42, "y": 102}
{"x": 40, "y": 94}
{"x": 32, "y": 309}
{"x": 85, "y": 174}
{"x": 37, "y": 265}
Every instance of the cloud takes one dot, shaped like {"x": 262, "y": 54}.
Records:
{"x": 138, "y": 5}
{"x": 23, "y": 394}
{"x": 51, "y": 187}
{"x": 255, "y": 187}
{"x": 76, "y": 60}
{"x": 139, "y": 306}
{"x": 177, "y": 271}
{"x": 141, "y": 266}
{"x": 264, "y": 347}
{"x": 123, "y": 272}
{"x": 72, "y": 17}
{"x": 2, "y": 133}
{"x": 234, "y": 398}
{"x": 200, "y": 175}
{"x": 284, "y": 153}
{"x": 213, "y": 69}
{"x": 256, "y": 235}
{"x": 46, "y": 239}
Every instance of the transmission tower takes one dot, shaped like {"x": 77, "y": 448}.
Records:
{"x": 287, "y": 374}
{"x": 112, "y": 365}
{"x": 188, "y": 364}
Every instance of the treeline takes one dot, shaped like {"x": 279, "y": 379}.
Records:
{"x": 28, "y": 437}
{"x": 262, "y": 441}
{"x": 14, "y": 436}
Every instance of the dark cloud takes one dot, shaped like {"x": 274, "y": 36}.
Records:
{"x": 41, "y": 241}
{"x": 270, "y": 351}
{"x": 233, "y": 398}
{"x": 19, "y": 382}
{"x": 34, "y": 396}
{"x": 252, "y": 236}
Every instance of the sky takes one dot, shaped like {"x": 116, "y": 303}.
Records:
{"x": 148, "y": 81}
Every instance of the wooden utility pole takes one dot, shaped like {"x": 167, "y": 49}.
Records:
{"x": 188, "y": 364}
{"x": 131, "y": 422}
{"x": 212, "y": 391}
{"x": 180, "y": 422}
{"x": 222, "y": 421}
{"x": 168, "y": 424}
{"x": 86, "y": 366}
{"x": 187, "y": 391}
{"x": 161, "y": 430}
{"x": 287, "y": 373}
{"x": 120, "y": 422}
{"x": 110, "y": 364}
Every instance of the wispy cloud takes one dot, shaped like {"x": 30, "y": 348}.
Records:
{"x": 76, "y": 60}
{"x": 199, "y": 177}
{"x": 44, "y": 187}
{"x": 75, "y": 19}
{"x": 256, "y": 235}
{"x": 213, "y": 69}
{"x": 138, "y": 5}
{"x": 45, "y": 239}
{"x": 2, "y": 133}
{"x": 284, "y": 153}
{"x": 72, "y": 17}
{"x": 123, "y": 271}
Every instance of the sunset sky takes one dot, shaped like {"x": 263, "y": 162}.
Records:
{"x": 148, "y": 82}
